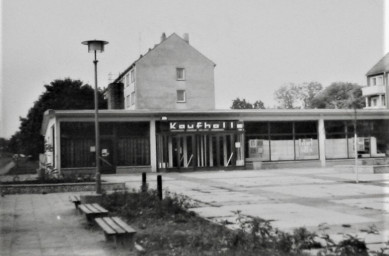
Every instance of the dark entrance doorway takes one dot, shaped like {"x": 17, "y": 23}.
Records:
{"x": 199, "y": 150}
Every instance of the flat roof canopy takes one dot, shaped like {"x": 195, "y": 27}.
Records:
{"x": 226, "y": 114}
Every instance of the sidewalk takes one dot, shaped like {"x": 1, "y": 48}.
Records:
{"x": 36, "y": 224}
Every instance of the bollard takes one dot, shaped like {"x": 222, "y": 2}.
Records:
{"x": 144, "y": 185}
{"x": 159, "y": 186}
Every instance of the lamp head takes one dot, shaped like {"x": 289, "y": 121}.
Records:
{"x": 95, "y": 45}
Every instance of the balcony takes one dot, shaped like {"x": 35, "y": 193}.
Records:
{"x": 373, "y": 90}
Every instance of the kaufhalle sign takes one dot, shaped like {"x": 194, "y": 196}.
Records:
{"x": 182, "y": 126}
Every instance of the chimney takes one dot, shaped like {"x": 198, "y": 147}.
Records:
{"x": 115, "y": 96}
{"x": 163, "y": 37}
{"x": 186, "y": 37}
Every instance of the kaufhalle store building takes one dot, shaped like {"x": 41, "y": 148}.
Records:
{"x": 161, "y": 116}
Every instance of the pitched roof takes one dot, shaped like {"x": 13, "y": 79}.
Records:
{"x": 155, "y": 46}
{"x": 380, "y": 67}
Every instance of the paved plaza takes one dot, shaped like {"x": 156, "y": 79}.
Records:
{"x": 322, "y": 200}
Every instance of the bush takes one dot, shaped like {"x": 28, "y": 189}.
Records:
{"x": 134, "y": 204}
{"x": 350, "y": 246}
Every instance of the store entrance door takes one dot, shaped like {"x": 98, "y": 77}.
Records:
{"x": 181, "y": 151}
{"x": 201, "y": 150}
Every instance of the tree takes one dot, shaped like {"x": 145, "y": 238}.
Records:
{"x": 308, "y": 91}
{"x": 259, "y": 105}
{"x": 3, "y": 145}
{"x": 340, "y": 95}
{"x": 292, "y": 95}
{"x": 59, "y": 94}
{"x": 243, "y": 104}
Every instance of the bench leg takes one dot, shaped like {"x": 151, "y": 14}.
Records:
{"x": 115, "y": 237}
{"x": 108, "y": 238}
{"x": 89, "y": 218}
{"x": 126, "y": 240}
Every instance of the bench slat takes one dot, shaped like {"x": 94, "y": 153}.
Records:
{"x": 85, "y": 209}
{"x": 100, "y": 208}
{"x": 114, "y": 226}
{"x": 107, "y": 229}
{"x": 92, "y": 208}
{"x": 123, "y": 225}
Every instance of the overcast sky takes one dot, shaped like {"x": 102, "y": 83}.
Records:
{"x": 258, "y": 45}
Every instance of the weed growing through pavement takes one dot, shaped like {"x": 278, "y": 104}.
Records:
{"x": 169, "y": 227}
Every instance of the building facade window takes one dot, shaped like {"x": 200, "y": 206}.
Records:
{"x": 127, "y": 79}
{"x": 376, "y": 80}
{"x": 132, "y": 72}
{"x": 132, "y": 98}
{"x": 128, "y": 101}
{"x": 180, "y": 73}
{"x": 181, "y": 96}
{"x": 127, "y": 142}
{"x": 280, "y": 141}
{"x": 374, "y": 102}
{"x": 372, "y": 139}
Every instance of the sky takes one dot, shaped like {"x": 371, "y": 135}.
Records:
{"x": 257, "y": 45}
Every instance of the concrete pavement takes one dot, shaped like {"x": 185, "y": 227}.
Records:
{"x": 48, "y": 225}
{"x": 321, "y": 199}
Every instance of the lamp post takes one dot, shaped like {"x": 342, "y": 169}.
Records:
{"x": 96, "y": 46}
{"x": 355, "y": 145}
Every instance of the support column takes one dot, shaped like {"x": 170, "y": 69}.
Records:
{"x": 170, "y": 149}
{"x": 366, "y": 102}
{"x": 225, "y": 156}
{"x": 57, "y": 141}
{"x": 185, "y": 151}
{"x": 153, "y": 147}
{"x": 210, "y": 151}
{"x": 386, "y": 84}
{"x": 322, "y": 142}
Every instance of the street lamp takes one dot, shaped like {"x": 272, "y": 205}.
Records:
{"x": 96, "y": 46}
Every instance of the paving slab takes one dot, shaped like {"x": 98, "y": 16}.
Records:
{"x": 285, "y": 216}
{"x": 272, "y": 180}
{"x": 380, "y": 203}
{"x": 329, "y": 190}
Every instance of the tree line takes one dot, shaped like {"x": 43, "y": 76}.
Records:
{"x": 311, "y": 95}
{"x": 59, "y": 95}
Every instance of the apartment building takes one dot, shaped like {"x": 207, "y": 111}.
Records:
{"x": 377, "y": 89}
{"x": 172, "y": 75}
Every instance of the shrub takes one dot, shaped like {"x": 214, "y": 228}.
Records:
{"x": 134, "y": 204}
{"x": 350, "y": 246}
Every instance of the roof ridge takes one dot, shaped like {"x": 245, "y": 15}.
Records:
{"x": 381, "y": 66}
{"x": 140, "y": 57}
{"x": 151, "y": 49}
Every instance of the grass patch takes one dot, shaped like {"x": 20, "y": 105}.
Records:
{"x": 4, "y": 160}
{"x": 59, "y": 180}
{"x": 24, "y": 167}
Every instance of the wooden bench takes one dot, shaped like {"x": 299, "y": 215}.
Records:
{"x": 116, "y": 228}
{"x": 76, "y": 200}
{"x": 93, "y": 211}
